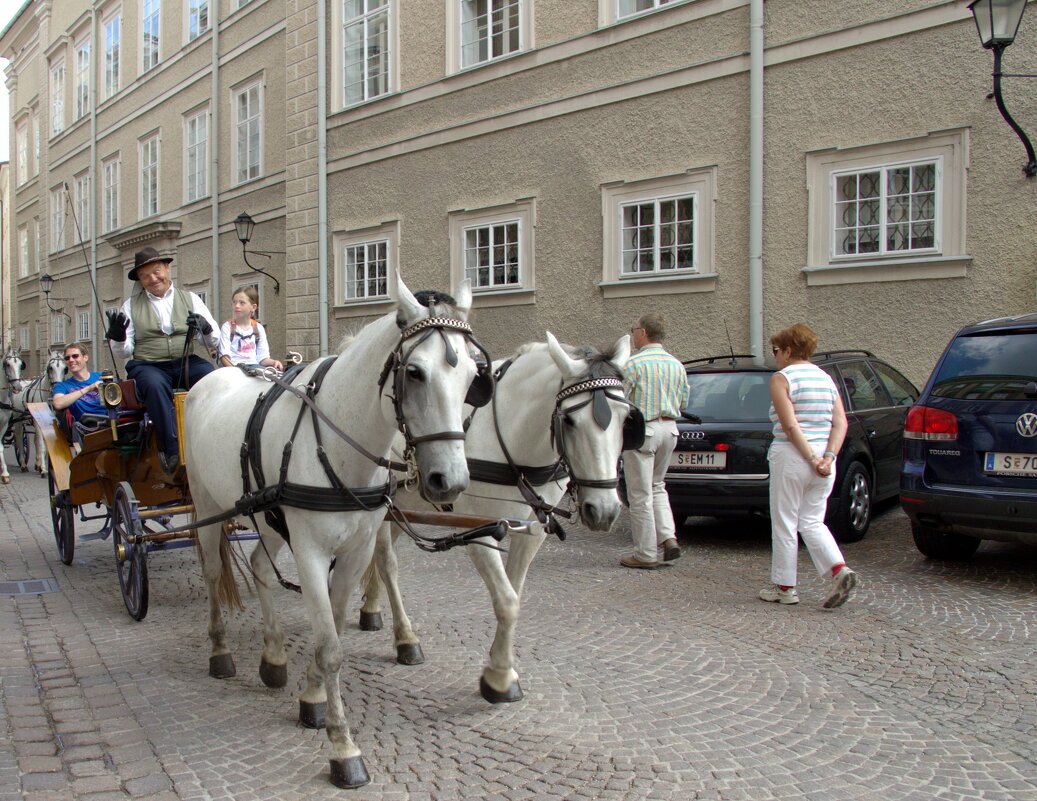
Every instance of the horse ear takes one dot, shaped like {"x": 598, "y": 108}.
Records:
{"x": 621, "y": 352}
{"x": 569, "y": 367}
{"x": 463, "y": 300}
{"x": 409, "y": 310}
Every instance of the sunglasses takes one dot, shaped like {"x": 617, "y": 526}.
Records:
{"x": 72, "y": 356}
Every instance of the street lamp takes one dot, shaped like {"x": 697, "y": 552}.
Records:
{"x": 47, "y": 284}
{"x": 244, "y": 225}
{"x": 997, "y": 22}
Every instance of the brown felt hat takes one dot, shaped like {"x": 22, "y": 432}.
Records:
{"x": 146, "y": 256}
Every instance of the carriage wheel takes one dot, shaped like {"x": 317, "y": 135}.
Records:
{"x": 63, "y": 519}
{"x": 131, "y": 553}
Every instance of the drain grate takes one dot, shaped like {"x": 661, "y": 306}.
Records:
{"x": 28, "y": 586}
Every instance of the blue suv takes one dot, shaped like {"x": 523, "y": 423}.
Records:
{"x": 970, "y": 443}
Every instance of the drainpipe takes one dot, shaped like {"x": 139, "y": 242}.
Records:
{"x": 214, "y": 167}
{"x": 756, "y": 45}
{"x": 95, "y": 88}
{"x": 322, "y": 177}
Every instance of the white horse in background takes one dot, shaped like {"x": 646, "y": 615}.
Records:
{"x": 13, "y": 366}
{"x": 38, "y": 390}
{"x": 544, "y": 404}
{"x": 408, "y": 370}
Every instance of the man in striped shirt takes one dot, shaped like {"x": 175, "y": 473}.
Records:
{"x": 657, "y": 384}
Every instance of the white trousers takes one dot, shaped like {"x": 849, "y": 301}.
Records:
{"x": 798, "y": 498}
{"x": 651, "y": 520}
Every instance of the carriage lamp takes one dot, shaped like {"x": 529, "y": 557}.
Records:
{"x": 997, "y": 22}
{"x": 243, "y": 226}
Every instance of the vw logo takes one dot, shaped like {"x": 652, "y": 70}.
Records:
{"x": 702, "y": 434}
{"x": 1026, "y": 425}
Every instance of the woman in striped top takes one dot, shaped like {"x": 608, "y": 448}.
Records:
{"x": 809, "y": 428}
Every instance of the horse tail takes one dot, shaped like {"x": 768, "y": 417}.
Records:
{"x": 227, "y": 588}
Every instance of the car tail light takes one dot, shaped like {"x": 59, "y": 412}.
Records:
{"x": 722, "y": 446}
{"x": 925, "y": 422}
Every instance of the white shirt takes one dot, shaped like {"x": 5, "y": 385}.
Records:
{"x": 163, "y": 307}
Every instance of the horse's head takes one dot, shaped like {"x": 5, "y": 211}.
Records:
{"x": 593, "y": 422}
{"x": 13, "y": 366}
{"x": 57, "y": 370}
{"x": 433, "y": 370}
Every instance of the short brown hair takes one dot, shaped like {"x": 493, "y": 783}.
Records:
{"x": 79, "y": 346}
{"x": 799, "y": 339}
{"x": 654, "y": 325}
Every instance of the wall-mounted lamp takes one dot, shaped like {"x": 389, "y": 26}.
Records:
{"x": 998, "y": 22}
{"x": 244, "y": 225}
{"x": 47, "y": 284}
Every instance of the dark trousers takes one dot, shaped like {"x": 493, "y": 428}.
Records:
{"x": 156, "y": 382}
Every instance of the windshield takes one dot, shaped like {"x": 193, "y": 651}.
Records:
{"x": 996, "y": 366}
{"x": 740, "y": 397}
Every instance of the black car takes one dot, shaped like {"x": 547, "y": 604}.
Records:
{"x": 720, "y": 464}
{"x": 970, "y": 447}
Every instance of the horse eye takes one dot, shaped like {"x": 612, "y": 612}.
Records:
{"x": 414, "y": 373}
{"x": 569, "y": 420}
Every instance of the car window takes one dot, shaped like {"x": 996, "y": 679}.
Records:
{"x": 995, "y": 366}
{"x": 863, "y": 388}
{"x": 735, "y": 397}
{"x": 900, "y": 389}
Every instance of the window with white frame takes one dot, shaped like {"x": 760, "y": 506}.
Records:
{"x": 493, "y": 248}
{"x": 248, "y": 105}
{"x": 57, "y": 97}
{"x": 890, "y": 211}
{"x": 57, "y": 329}
{"x": 364, "y": 260}
{"x": 22, "y": 155}
{"x": 112, "y": 51}
{"x": 151, "y": 31}
{"x": 110, "y": 195}
{"x": 23, "y": 251}
{"x": 196, "y": 156}
{"x": 626, "y": 8}
{"x": 366, "y": 46}
{"x": 658, "y": 230}
{"x": 25, "y": 338}
{"x": 81, "y": 81}
{"x": 57, "y": 220}
{"x": 197, "y": 18}
{"x": 38, "y": 242}
{"x": 83, "y": 326}
{"x": 149, "y": 177}
{"x": 489, "y": 29}
{"x": 35, "y": 144}
{"x": 82, "y": 183}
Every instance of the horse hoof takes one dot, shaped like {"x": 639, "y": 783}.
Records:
{"x": 221, "y": 666}
{"x": 25, "y": 469}
{"x": 513, "y": 693}
{"x": 273, "y": 675}
{"x": 409, "y": 653}
{"x": 349, "y": 773}
{"x": 370, "y": 621}
{"x": 312, "y": 717}
{"x": 5, "y": 479}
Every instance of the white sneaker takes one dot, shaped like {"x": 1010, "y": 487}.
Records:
{"x": 776, "y": 595}
{"x": 839, "y": 588}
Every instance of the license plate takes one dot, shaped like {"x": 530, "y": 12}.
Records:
{"x": 1011, "y": 464}
{"x": 701, "y": 460}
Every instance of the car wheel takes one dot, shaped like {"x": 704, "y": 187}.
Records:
{"x": 851, "y": 518}
{"x": 943, "y": 544}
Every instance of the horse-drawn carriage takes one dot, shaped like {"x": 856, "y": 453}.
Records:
{"x": 313, "y": 454}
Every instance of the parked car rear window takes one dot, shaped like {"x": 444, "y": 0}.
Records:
{"x": 741, "y": 397}
{"x": 994, "y": 366}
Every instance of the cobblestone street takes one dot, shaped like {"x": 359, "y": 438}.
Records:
{"x": 670, "y": 685}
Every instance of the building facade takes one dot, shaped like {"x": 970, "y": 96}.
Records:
{"x": 137, "y": 123}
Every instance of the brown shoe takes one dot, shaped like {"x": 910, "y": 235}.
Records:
{"x": 671, "y": 550}
{"x": 633, "y": 561}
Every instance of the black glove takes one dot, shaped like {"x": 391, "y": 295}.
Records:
{"x": 198, "y": 323}
{"x": 117, "y": 325}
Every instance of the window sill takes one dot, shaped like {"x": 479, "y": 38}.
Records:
{"x": 863, "y": 272}
{"x": 503, "y": 297}
{"x": 375, "y": 307}
{"x": 635, "y": 287}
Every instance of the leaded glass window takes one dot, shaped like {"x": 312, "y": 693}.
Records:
{"x": 491, "y": 255}
{"x": 886, "y": 210}
{"x": 366, "y": 270}
{"x": 658, "y": 236}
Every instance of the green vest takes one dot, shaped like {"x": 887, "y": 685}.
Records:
{"x": 150, "y": 342}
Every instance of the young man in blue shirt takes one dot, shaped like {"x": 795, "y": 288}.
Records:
{"x": 79, "y": 391}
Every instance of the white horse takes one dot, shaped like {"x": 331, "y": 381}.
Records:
{"x": 13, "y": 366}
{"x": 38, "y": 389}
{"x": 420, "y": 390}
{"x": 544, "y": 403}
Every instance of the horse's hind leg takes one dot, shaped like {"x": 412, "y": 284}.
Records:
{"x": 20, "y": 452}
{"x": 41, "y": 453}
{"x": 273, "y": 666}
{"x": 499, "y": 682}
{"x": 221, "y": 663}
{"x": 386, "y": 576}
